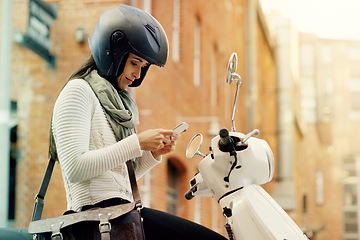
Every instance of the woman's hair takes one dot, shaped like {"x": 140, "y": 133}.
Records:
{"x": 90, "y": 65}
{"x": 85, "y": 69}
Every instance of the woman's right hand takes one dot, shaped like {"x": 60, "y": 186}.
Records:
{"x": 155, "y": 139}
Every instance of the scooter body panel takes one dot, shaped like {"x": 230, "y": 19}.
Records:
{"x": 255, "y": 165}
{"x": 257, "y": 216}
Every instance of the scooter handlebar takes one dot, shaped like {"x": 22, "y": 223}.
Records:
{"x": 189, "y": 195}
{"x": 226, "y": 143}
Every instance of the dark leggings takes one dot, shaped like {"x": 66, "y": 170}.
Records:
{"x": 161, "y": 225}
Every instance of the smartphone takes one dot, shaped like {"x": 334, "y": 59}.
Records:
{"x": 181, "y": 127}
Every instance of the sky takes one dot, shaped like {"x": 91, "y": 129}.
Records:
{"x": 337, "y": 19}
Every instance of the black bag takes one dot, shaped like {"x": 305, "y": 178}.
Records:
{"x": 114, "y": 222}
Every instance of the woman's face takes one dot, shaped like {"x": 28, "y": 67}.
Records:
{"x": 132, "y": 70}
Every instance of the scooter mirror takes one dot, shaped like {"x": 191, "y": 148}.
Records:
{"x": 231, "y": 68}
{"x": 194, "y": 147}
{"x": 230, "y": 76}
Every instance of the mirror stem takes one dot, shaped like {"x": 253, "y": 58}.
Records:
{"x": 238, "y": 83}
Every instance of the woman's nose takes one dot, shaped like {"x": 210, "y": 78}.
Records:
{"x": 137, "y": 73}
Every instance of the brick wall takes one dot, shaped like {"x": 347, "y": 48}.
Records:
{"x": 166, "y": 96}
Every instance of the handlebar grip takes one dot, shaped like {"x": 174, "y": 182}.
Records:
{"x": 224, "y": 137}
{"x": 189, "y": 195}
{"x": 226, "y": 143}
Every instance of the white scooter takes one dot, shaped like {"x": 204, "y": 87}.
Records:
{"x": 232, "y": 173}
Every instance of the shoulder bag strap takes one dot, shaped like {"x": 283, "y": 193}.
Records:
{"x": 134, "y": 186}
{"x": 39, "y": 198}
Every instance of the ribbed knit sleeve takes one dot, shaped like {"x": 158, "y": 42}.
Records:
{"x": 85, "y": 150}
{"x": 145, "y": 163}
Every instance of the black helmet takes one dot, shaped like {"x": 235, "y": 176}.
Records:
{"x": 126, "y": 29}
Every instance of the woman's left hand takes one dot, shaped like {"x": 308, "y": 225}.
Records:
{"x": 166, "y": 149}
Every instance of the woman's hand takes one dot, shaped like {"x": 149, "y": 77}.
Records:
{"x": 158, "y": 141}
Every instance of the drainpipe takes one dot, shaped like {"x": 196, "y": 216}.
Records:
{"x": 284, "y": 192}
{"x": 5, "y": 59}
{"x": 251, "y": 77}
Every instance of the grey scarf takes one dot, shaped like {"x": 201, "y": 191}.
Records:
{"x": 119, "y": 107}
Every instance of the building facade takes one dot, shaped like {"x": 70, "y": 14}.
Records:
{"x": 318, "y": 128}
{"x": 191, "y": 87}
{"x": 328, "y": 175}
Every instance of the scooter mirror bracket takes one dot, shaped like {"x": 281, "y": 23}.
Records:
{"x": 194, "y": 146}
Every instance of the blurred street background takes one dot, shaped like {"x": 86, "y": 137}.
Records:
{"x": 299, "y": 62}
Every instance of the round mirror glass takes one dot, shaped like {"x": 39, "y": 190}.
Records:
{"x": 231, "y": 68}
{"x": 194, "y": 146}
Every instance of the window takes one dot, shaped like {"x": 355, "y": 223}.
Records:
{"x": 354, "y": 53}
{"x": 351, "y": 207}
{"x": 214, "y": 79}
{"x": 329, "y": 86}
{"x": 355, "y": 106}
{"x": 176, "y": 32}
{"x": 308, "y": 100}
{"x": 326, "y": 54}
{"x": 307, "y": 55}
{"x": 197, "y": 46}
{"x": 172, "y": 188}
{"x": 355, "y": 102}
{"x": 12, "y": 175}
{"x": 147, "y": 6}
{"x": 354, "y": 84}
{"x": 14, "y": 155}
{"x": 354, "y": 88}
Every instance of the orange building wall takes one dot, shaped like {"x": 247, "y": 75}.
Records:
{"x": 167, "y": 95}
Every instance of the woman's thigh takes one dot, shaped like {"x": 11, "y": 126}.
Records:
{"x": 161, "y": 225}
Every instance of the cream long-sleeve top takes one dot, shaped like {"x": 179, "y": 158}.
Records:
{"x": 91, "y": 160}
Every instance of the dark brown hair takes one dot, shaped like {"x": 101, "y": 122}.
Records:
{"x": 84, "y": 69}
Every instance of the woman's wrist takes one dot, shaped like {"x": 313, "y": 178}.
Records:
{"x": 155, "y": 155}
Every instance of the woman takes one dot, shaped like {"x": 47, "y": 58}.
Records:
{"x": 95, "y": 118}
